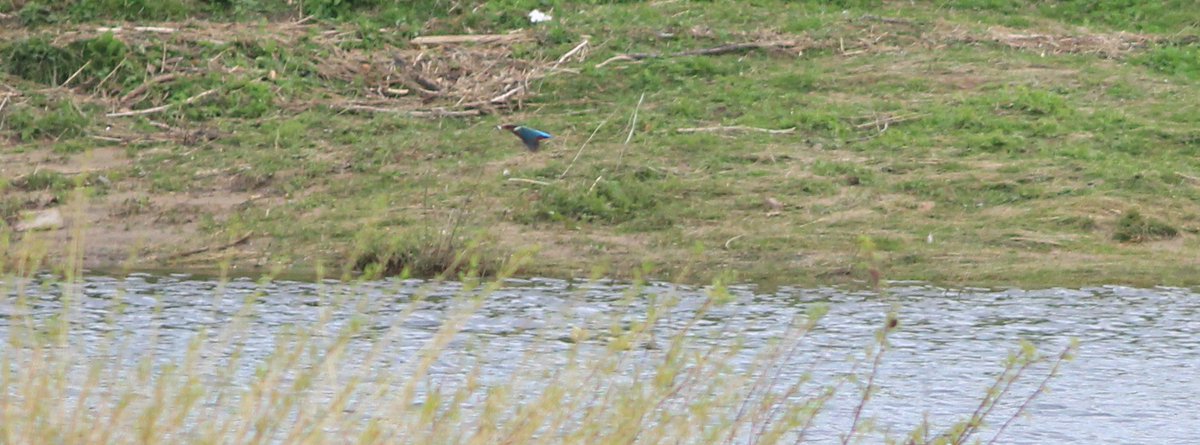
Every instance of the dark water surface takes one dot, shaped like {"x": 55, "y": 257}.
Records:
{"x": 1135, "y": 380}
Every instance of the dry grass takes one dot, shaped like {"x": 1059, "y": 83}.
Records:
{"x": 331, "y": 380}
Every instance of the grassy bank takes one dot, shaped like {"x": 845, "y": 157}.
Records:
{"x": 966, "y": 142}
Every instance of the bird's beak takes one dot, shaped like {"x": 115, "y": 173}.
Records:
{"x": 499, "y": 127}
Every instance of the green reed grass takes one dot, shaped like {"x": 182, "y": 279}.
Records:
{"x": 311, "y": 390}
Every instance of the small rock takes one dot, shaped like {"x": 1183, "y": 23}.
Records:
{"x": 49, "y": 219}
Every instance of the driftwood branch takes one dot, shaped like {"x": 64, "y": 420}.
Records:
{"x": 162, "y": 107}
{"x": 436, "y": 112}
{"x": 469, "y": 38}
{"x": 723, "y": 49}
{"x": 735, "y": 128}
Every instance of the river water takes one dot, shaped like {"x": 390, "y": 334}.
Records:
{"x": 1135, "y": 378}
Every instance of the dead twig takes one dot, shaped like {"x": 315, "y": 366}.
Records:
{"x": 507, "y": 94}
{"x": 597, "y": 181}
{"x": 570, "y": 53}
{"x": 887, "y": 121}
{"x": 109, "y": 76}
{"x": 632, "y": 126}
{"x": 728, "y": 241}
{"x": 158, "y": 29}
{"x": 889, "y": 20}
{"x": 470, "y": 38}
{"x": 723, "y": 49}
{"x": 425, "y": 83}
{"x": 162, "y": 107}
{"x": 581, "y": 147}
{"x": 528, "y": 181}
{"x": 721, "y": 128}
{"x": 141, "y": 89}
{"x": 437, "y": 112}
{"x": 1190, "y": 178}
{"x": 80, "y": 70}
{"x": 189, "y": 253}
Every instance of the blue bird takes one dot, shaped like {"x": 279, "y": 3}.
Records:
{"x": 531, "y": 137}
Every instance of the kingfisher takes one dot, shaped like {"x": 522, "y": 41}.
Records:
{"x": 530, "y": 136}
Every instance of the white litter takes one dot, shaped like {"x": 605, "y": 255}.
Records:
{"x": 536, "y": 16}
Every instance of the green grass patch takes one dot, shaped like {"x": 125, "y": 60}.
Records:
{"x": 907, "y": 119}
{"x": 1135, "y": 228}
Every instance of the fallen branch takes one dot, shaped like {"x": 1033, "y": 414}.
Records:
{"x": 415, "y": 80}
{"x": 425, "y": 83}
{"x": 189, "y": 253}
{"x": 141, "y": 89}
{"x": 162, "y": 107}
{"x": 469, "y": 38}
{"x": 528, "y": 181}
{"x": 723, "y": 49}
{"x": 735, "y": 128}
{"x": 437, "y": 112}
